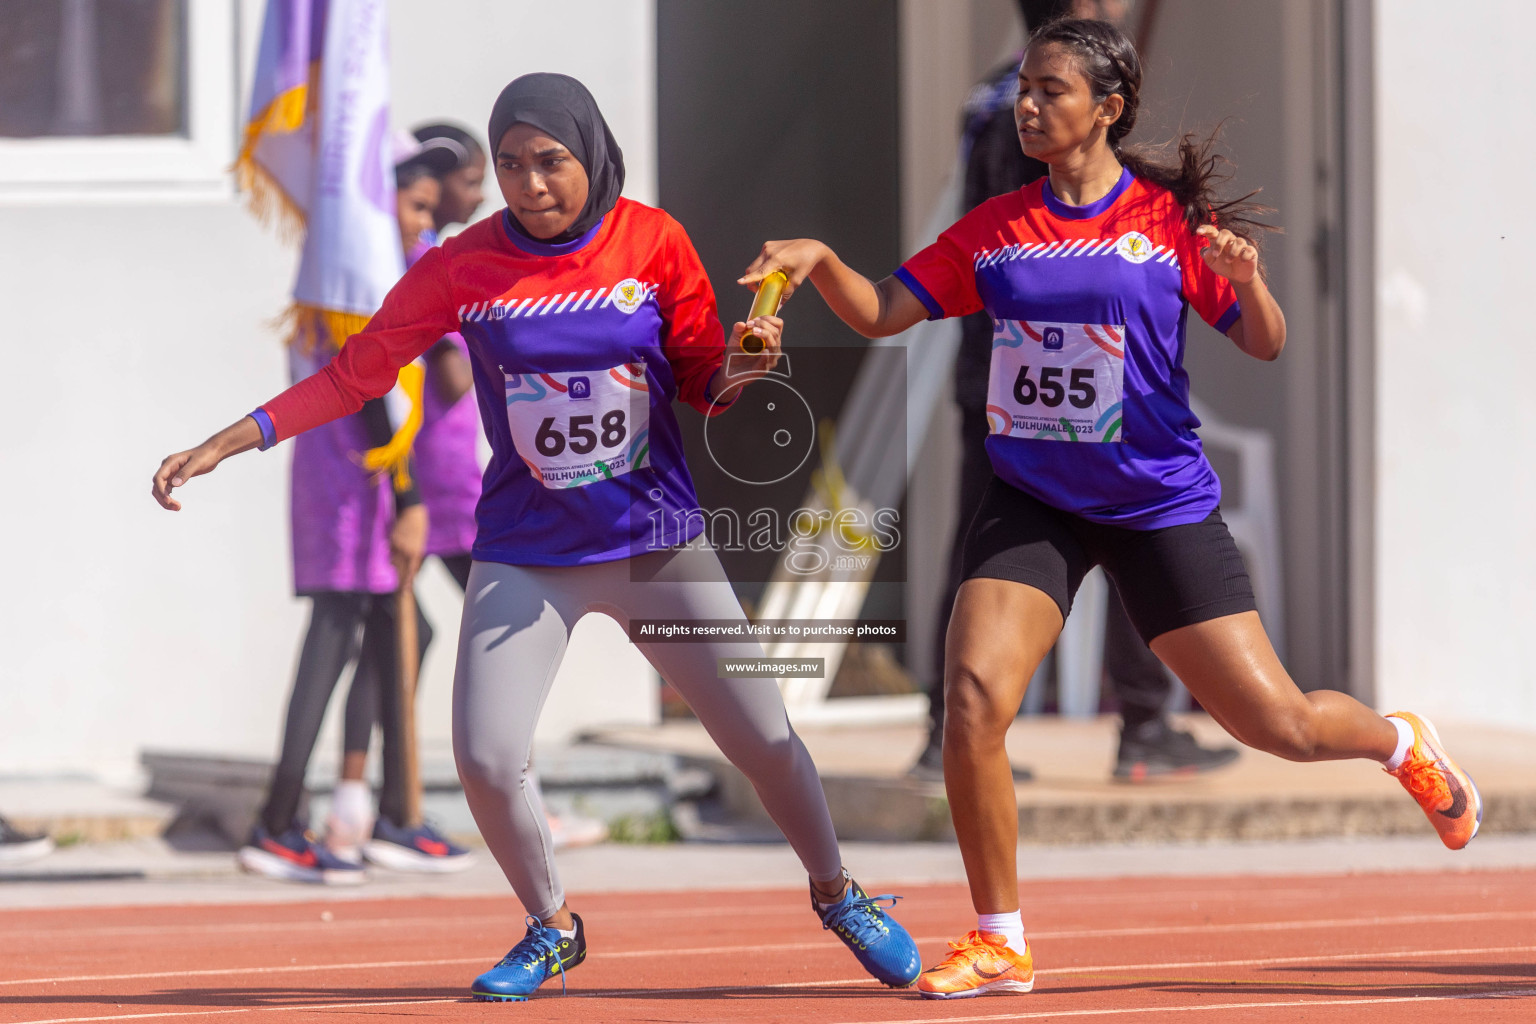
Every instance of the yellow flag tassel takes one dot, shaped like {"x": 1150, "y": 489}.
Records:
{"x": 395, "y": 456}
{"x": 311, "y": 329}
{"x": 266, "y": 198}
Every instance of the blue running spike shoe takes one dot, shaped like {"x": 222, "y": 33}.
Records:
{"x": 542, "y": 954}
{"x": 880, "y": 943}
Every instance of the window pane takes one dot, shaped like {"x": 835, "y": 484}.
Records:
{"x": 92, "y": 67}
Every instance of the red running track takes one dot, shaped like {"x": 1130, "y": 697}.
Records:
{"x": 1388, "y": 948}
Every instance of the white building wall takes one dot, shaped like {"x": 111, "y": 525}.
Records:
{"x": 1455, "y": 585}
{"x": 134, "y": 324}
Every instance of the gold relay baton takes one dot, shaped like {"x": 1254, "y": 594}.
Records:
{"x": 769, "y": 290}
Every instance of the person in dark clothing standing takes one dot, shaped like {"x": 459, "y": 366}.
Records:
{"x": 995, "y": 165}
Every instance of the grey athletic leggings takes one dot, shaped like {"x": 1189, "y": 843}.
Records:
{"x": 517, "y": 620}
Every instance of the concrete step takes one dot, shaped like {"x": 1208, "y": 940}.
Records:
{"x": 1074, "y": 801}
{"x": 222, "y": 795}
{"x": 78, "y": 810}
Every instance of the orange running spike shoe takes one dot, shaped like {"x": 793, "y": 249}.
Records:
{"x": 977, "y": 965}
{"x": 1446, "y": 793}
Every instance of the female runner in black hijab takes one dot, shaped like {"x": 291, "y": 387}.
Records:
{"x": 586, "y": 314}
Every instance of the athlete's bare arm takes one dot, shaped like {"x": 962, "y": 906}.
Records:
{"x": 177, "y": 469}
{"x": 1260, "y": 331}
{"x": 874, "y": 310}
{"x": 451, "y": 376}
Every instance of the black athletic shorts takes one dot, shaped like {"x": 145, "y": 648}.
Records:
{"x": 1167, "y": 578}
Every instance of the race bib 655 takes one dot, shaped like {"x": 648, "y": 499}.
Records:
{"x": 1057, "y": 382}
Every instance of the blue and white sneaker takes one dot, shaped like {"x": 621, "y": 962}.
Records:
{"x": 542, "y": 954}
{"x": 294, "y": 856}
{"x": 877, "y": 939}
{"x": 417, "y": 848}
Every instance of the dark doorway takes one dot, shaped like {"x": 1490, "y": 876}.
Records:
{"x": 801, "y": 143}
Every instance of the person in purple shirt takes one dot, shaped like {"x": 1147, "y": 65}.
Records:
{"x": 447, "y": 478}
{"x": 353, "y": 538}
{"x": 448, "y": 473}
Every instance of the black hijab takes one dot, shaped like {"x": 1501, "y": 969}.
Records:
{"x": 562, "y": 108}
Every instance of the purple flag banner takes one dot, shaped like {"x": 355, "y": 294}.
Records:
{"x": 317, "y": 159}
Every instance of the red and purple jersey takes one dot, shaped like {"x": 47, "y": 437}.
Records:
{"x": 1087, "y": 396}
{"x": 578, "y": 351}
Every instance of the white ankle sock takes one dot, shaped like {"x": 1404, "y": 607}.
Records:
{"x": 1404, "y": 742}
{"x": 1009, "y": 926}
{"x": 352, "y": 802}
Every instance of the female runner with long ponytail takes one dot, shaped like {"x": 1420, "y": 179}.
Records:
{"x": 1088, "y": 275}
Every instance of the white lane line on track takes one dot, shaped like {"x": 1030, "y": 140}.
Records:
{"x": 446, "y": 917}
{"x": 242, "y": 1009}
{"x": 76, "y": 933}
{"x": 1280, "y": 961}
{"x": 627, "y": 954}
{"x": 224, "y": 971}
{"x": 1293, "y": 1004}
{"x": 626, "y": 992}
{"x": 1505, "y": 993}
{"x": 1402, "y": 954}
{"x": 1281, "y": 926}
{"x": 618, "y": 993}
{"x": 443, "y": 919}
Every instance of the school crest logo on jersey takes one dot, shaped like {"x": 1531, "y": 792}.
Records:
{"x": 628, "y": 294}
{"x": 1134, "y": 246}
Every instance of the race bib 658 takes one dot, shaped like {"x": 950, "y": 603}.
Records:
{"x": 577, "y": 428}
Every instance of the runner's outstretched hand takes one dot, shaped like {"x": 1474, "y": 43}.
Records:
{"x": 874, "y": 310}
{"x": 795, "y": 257}
{"x": 176, "y": 470}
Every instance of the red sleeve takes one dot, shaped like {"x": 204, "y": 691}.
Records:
{"x": 1210, "y": 295}
{"x": 943, "y": 276}
{"x": 692, "y": 338}
{"x": 417, "y": 312}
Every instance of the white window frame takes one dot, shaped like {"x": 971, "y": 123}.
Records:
{"x": 113, "y": 168}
